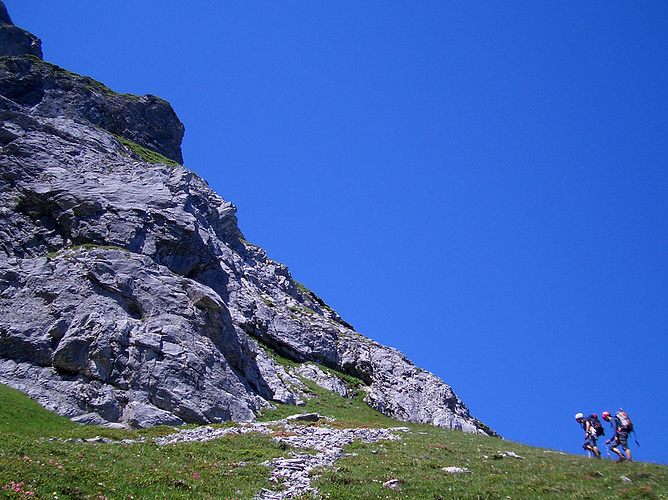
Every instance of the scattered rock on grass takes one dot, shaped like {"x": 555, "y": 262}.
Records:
{"x": 393, "y": 483}
{"x": 456, "y": 470}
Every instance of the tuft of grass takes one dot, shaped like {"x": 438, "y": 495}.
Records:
{"x": 146, "y": 154}
{"x": 310, "y": 294}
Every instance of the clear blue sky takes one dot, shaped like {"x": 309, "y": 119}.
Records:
{"x": 482, "y": 185}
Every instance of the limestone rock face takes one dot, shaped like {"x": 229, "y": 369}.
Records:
{"x": 128, "y": 295}
{"x": 110, "y": 332}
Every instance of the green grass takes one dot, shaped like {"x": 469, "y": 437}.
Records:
{"x": 24, "y": 417}
{"x": 146, "y": 154}
{"x": 38, "y": 466}
{"x": 417, "y": 464}
{"x": 34, "y": 465}
{"x": 348, "y": 412}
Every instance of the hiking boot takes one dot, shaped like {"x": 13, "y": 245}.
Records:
{"x": 621, "y": 459}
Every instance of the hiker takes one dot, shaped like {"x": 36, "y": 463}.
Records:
{"x": 591, "y": 433}
{"x": 622, "y": 426}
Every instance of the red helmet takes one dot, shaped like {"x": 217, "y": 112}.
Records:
{"x": 605, "y": 415}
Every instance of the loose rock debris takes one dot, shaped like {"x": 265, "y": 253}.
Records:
{"x": 292, "y": 472}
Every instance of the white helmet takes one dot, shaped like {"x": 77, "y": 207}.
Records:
{"x": 578, "y": 416}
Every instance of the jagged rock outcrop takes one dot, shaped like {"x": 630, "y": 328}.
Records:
{"x": 50, "y": 91}
{"x": 16, "y": 41}
{"x": 128, "y": 295}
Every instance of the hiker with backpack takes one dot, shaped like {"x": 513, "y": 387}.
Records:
{"x": 622, "y": 425}
{"x": 593, "y": 429}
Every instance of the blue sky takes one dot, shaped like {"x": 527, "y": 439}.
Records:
{"x": 482, "y": 185}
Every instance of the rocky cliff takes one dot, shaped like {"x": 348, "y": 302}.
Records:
{"x": 128, "y": 295}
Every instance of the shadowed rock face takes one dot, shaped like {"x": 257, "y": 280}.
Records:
{"x": 49, "y": 91}
{"x": 4, "y": 15}
{"x": 15, "y": 41}
{"x": 128, "y": 295}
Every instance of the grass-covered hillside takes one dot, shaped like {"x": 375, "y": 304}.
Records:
{"x": 45, "y": 456}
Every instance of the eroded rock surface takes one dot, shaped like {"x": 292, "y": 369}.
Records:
{"x": 128, "y": 295}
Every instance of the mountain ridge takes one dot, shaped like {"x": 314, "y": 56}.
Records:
{"x": 128, "y": 294}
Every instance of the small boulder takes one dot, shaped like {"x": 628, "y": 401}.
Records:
{"x": 394, "y": 484}
{"x": 303, "y": 417}
{"x": 456, "y": 470}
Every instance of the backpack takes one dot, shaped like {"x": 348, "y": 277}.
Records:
{"x": 596, "y": 424}
{"x": 624, "y": 421}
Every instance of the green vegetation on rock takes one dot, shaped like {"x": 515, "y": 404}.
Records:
{"x": 146, "y": 154}
{"x": 57, "y": 72}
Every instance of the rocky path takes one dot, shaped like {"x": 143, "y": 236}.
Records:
{"x": 292, "y": 474}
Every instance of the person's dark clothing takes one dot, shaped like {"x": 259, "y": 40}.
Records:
{"x": 590, "y": 442}
{"x": 621, "y": 435}
{"x": 590, "y": 435}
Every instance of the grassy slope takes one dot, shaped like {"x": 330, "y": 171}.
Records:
{"x": 33, "y": 466}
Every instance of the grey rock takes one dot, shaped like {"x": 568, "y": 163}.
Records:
{"x": 46, "y": 90}
{"x": 15, "y": 41}
{"x": 304, "y": 417}
{"x": 323, "y": 379}
{"x": 394, "y": 484}
{"x": 294, "y": 473}
{"x": 4, "y": 15}
{"x": 127, "y": 290}
{"x": 144, "y": 415}
{"x": 456, "y": 470}
{"x": 50, "y": 91}
{"x": 89, "y": 419}
{"x": 127, "y": 330}
{"x": 283, "y": 387}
